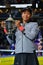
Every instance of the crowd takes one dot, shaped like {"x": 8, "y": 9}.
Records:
{"x": 2, "y": 2}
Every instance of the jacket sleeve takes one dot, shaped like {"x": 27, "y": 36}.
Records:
{"x": 34, "y": 31}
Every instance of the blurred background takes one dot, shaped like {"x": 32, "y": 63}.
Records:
{"x": 8, "y": 16}
{"x": 2, "y": 2}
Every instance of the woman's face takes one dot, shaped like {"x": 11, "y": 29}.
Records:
{"x": 26, "y": 15}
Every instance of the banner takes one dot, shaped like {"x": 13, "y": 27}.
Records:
{"x": 9, "y": 60}
{"x": 40, "y": 58}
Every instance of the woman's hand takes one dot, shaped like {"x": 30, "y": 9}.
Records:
{"x": 17, "y": 23}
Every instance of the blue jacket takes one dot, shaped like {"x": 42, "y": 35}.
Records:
{"x": 24, "y": 43}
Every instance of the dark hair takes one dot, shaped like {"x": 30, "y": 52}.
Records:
{"x": 26, "y": 9}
